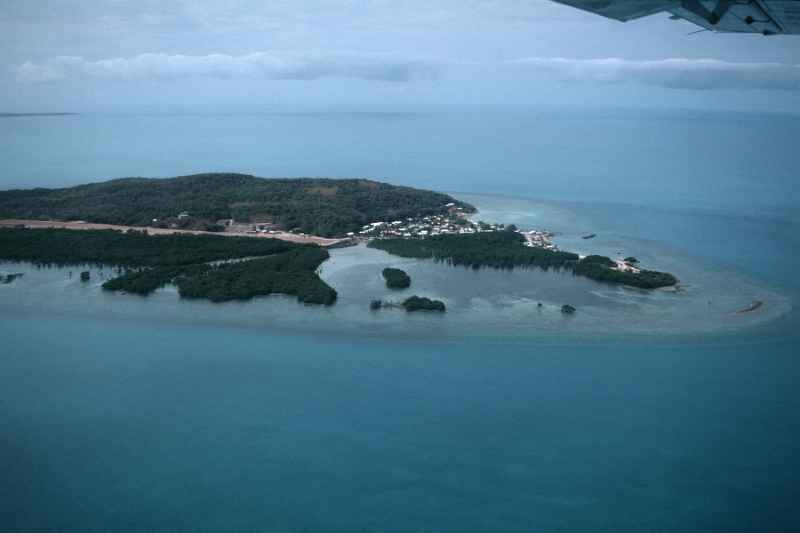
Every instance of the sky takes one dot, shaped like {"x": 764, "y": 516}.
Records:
{"x": 148, "y": 55}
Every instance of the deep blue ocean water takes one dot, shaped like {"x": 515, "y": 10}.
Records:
{"x": 115, "y": 419}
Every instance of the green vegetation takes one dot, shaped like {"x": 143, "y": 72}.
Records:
{"x": 129, "y": 249}
{"x": 599, "y": 260}
{"x": 499, "y": 249}
{"x": 420, "y": 303}
{"x": 186, "y": 260}
{"x": 147, "y": 280}
{"x": 327, "y": 207}
{"x": 631, "y": 260}
{"x": 644, "y": 279}
{"x": 505, "y": 249}
{"x": 396, "y": 278}
{"x": 290, "y": 273}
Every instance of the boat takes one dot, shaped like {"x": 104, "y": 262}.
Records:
{"x": 590, "y": 236}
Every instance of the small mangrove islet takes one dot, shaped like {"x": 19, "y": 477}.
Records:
{"x": 421, "y": 303}
{"x": 396, "y": 278}
{"x": 410, "y": 304}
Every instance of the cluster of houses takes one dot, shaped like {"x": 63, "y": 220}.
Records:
{"x": 410, "y": 228}
{"x": 539, "y": 239}
{"x": 420, "y": 228}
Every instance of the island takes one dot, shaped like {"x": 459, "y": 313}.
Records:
{"x": 410, "y": 304}
{"x": 213, "y": 267}
{"x": 226, "y": 237}
{"x": 231, "y": 202}
{"x": 396, "y": 278}
{"x": 420, "y": 303}
{"x": 507, "y": 250}
{"x": 41, "y": 114}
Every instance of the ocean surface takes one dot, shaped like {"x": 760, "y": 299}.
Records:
{"x": 645, "y": 411}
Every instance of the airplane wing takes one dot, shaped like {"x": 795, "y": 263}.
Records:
{"x": 767, "y": 17}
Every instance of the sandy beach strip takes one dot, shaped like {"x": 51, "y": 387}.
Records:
{"x": 78, "y": 225}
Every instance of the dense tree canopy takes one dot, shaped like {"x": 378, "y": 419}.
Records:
{"x": 131, "y": 248}
{"x": 505, "y": 249}
{"x": 644, "y": 279}
{"x": 396, "y": 278}
{"x": 421, "y": 303}
{"x": 327, "y": 207}
{"x": 287, "y": 273}
{"x": 598, "y": 260}
{"x": 499, "y": 249}
{"x": 186, "y": 260}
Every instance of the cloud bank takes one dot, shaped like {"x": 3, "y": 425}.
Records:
{"x": 689, "y": 74}
{"x": 692, "y": 74}
{"x": 276, "y": 65}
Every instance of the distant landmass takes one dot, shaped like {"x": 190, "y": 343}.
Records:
{"x": 318, "y": 206}
{"x": 36, "y": 114}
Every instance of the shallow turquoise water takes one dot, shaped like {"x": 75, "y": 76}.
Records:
{"x": 119, "y": 413}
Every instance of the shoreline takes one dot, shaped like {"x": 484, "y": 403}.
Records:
{"x": 79, "y": 225}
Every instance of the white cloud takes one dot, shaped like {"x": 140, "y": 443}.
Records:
{"x": 694, "y": 74}
{"x": 277, "y": 65}
{"x": 691, "y": 74}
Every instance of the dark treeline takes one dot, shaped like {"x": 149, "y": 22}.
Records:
{"x": 599, "y": 268}
{"x": 396, "y": 278}
{"x": 599, "y": 260}
{"x": 153, "y": 261}
{"x": 290, "y": 273}
{"x": 328, "y": 207}
{"x": 147, "y": 280}
{"x": 504, "y": 249}
{"x": 499, "y": 249}
{"x": 130, "y": 249}
{"x": 644, "y": 279}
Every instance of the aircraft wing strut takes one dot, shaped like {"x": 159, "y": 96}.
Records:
{"x": 767, "y": 17}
